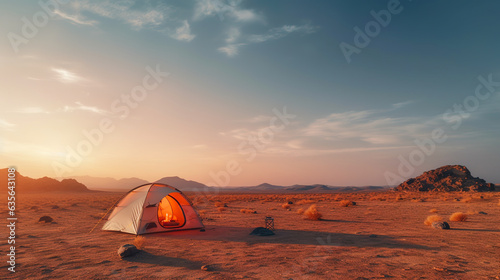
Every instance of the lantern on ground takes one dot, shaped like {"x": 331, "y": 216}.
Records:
{"x": 270, "y": 223}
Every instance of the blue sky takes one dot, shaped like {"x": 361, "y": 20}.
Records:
{"x": 231, "y": 65}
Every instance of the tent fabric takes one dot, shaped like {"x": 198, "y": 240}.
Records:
{"x": 153, "y": 208}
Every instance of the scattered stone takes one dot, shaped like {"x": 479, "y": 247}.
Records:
{"x": 353, "y": 203}
{"x": 373, "y": 236}
{"x": 127, "y": 250}
{"x": 34, "y": 207}
{"x": 483, "y": 213}
{"x": 47, "y": 270}
{"x": 202, "y": 230}
{"x": 260, "y": 231}
{"x": 290, "y": 202}
{"x": 55, "y": 207}
{"x": 46, "y": 219}
{"x": 441, "y": 225}
{"x": 447, "y": 178}
{"x": 207, "y": 267}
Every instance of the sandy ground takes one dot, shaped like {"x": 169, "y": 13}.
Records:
{"x": 372, "y": 240}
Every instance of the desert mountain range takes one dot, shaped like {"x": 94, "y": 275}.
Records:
{"x": 446, "y": 178}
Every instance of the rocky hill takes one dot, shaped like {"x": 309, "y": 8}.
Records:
{"x": 45, "y": 184}
{"x": 447, "y": 178}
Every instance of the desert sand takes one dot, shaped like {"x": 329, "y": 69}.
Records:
{"x": 382, "y": 236}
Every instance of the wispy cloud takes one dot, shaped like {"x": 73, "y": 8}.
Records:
{"x": 81, "y": 107}
{"x": 126, "y": 11}
{"x": 6, "y": 124}
{"x": 183, "y": 33}
{"x": 235, "y": 40}
{"x": 224, "y": 9}
{"x": 76, "y": 19}
{"x": 66, "y": 76}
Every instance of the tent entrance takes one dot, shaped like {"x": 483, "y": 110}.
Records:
{"x": 170, "y": 213}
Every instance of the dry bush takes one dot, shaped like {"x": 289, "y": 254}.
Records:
{"x": 346, "y": 203}
{"x": 433, "y": 218}
{"x": 467, "y": 199}
{"x": 286, "y": 206}
{"x": 139, "y": 241}
{"x": 304, "y": 201}
{"x": 458, "y": 217}
{"x": 220, "y": 204}
{"x": 221, "y": 209}
{"x": 248, "y": 211}
{"x": 300, "y": 211}
{"x": 312, "y": 213}
{"x": 433, "y": 210}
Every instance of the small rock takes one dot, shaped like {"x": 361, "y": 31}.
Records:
{"x": 207, "y": 267}
{"x": 353, "y": 203}
{"x": 34, "y": 207}
{"x": 127, "y": 250}
{"x": 260, "y": 231}
{"x": 46, "y": 219}
{"x": 483, "y": 213}
{"x": 290, "y": 202}
{"x": 202, "y": 230}
{"x": 373, "y": 235}
{"x": 55, "y": 207}
{"x": 441, "y": 225}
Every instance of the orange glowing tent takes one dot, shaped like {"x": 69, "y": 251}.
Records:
{"x": 152, "y": 208}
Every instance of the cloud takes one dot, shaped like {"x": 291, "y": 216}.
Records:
{"x": 126, "y": 11}
{"x": 183, "y": 33}
{"x": 280, "y": 32}
{"x": 76, "y": 19}
{"x": 224, "y": 9}
{"x": 367, "y": 126}
{"x": 402, "y": 104}
{"x": 66, "y": 76}
{"x": 80, "y": 107}
{"x": 230, "y": 50}
{"x": 6, "y": 125}
{"x": 235, "y": 40}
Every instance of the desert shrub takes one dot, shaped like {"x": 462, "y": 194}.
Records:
{"x": 312, "y": 213}
{"x": 139, "y": 241}
{"x": 220, "y": 204}
{"x": 458, "y": 217}
{"x": 286, "y": 206}
{"x": 300, "y": 211}
{"x": 346, "y": 203}
{"x": 433, "y": 218}
{"x": 433, "y": 210}
{"x": 467, "y": 199}
{"x": 248, "y": 211}
{"x": 305, "y": 201}
{"x": 221, "y": 209}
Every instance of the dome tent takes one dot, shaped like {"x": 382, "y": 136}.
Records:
{"x": 152, "y": 208}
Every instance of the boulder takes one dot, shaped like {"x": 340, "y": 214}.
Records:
{"x": 45, "y": 219}
{"x": 127, "y": 250}
{"x": 441, "y": 225}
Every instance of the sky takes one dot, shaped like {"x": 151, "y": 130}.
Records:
{"x": 237, "y": 93}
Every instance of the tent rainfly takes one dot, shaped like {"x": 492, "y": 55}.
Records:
{"x": 152, "y": 208}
